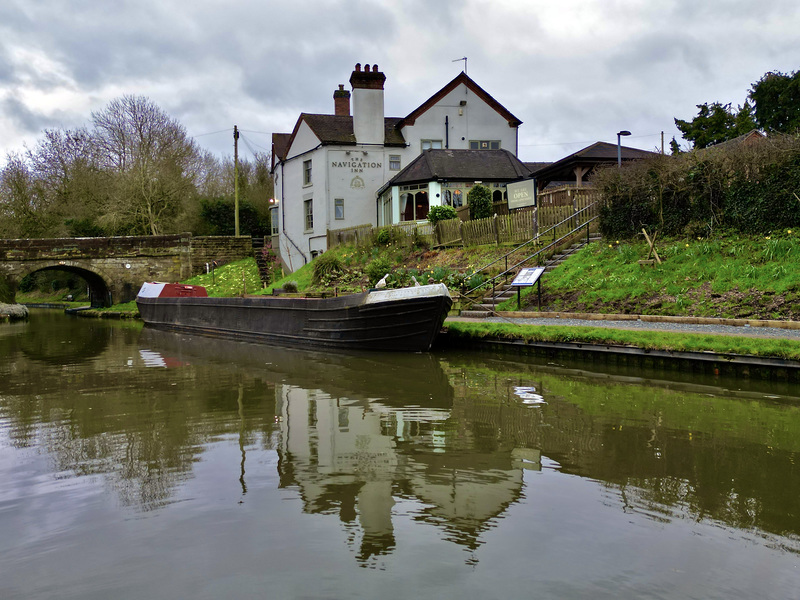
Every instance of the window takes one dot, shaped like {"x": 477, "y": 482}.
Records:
{"x": 394, "y": 162}
{"x": 458, "y": 199}
{"x": 484, "y": 145}
{"x": 308, "y": 206}
{"x": 431, "y": 144}
{"x": 306, "y": 172}
{"x": 273, "y": 217}
{"x": 338, "y": 208}
{"x": 414, "y": 206}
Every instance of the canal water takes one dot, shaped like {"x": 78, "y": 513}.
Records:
{"x": 142, "y": 464}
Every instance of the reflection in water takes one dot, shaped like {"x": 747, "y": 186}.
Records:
{"x": 53, "y": 339}
{"x": 378, "y": 444}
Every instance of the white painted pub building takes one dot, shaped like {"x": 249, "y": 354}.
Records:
{"x": 329, "y": 169}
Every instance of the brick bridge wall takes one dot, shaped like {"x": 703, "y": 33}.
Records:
{"x": 115, "y": 268}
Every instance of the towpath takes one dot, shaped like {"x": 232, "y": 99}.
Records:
{"x": 735, "y": 327}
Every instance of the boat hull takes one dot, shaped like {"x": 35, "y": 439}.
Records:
{"x": 385, "y": 320}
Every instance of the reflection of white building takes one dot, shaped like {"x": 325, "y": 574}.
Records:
{"x": 349, "y": 458}
{"x": 329, "y": 169}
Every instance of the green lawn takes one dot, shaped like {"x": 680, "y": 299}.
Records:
{"x": 699, "y": 277}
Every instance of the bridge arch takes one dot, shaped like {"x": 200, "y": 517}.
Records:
{"x": 101, "y": 286}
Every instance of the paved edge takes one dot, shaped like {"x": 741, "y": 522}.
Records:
{"x": 645, "y": 318}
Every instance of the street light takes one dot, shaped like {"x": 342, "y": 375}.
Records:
{"x": 619, "y": 147}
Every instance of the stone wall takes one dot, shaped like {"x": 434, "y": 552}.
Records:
{"x": 223, "y": 249}
{"x": 115, "y": 268}
{"x": 88, "y": 248}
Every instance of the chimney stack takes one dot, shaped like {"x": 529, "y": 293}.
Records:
{"x": 341, "y": 102}
{"x": 368, "y": 104}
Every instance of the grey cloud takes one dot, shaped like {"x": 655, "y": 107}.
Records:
{"x": 27, "y": 120}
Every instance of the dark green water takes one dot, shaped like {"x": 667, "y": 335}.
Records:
{"x": 143, "y": 464}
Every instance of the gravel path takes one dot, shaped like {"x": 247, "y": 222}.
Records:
{"x": 761, "y": 332}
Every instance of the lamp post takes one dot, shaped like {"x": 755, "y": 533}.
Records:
{"x": 619, "y": 146}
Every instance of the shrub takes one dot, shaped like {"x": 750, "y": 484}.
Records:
{"x": 377, "y": 268}
{"x": 326, "y": 266}
{"x": 383, "y": 236}
{"x": 750, "y": 189}
{"x": 290, "y": 286}
{"x": 474, "y": 280}
{"x": 441, "y": 213}
{"x": 479, "y": 200}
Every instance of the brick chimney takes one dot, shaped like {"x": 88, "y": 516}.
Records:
{"x": 368, "y": 104}
{"x": 341, "y": 102}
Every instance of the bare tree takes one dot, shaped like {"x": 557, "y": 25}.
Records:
{"x": 65, "y": 165}
{"x": 155, "y": 164}
{"x": 23, "y": 207}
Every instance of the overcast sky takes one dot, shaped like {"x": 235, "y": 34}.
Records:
{"x": 574, "y": 71}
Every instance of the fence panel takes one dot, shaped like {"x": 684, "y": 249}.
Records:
{"x": 518, "y": 227}
{"x": 408, "y": 229}
{"x": 479, "y": 231}
{"x": 348, "y": 235}
{"x": 448, "y": 233}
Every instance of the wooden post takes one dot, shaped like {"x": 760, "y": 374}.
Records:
{"x": 236, "y": 180}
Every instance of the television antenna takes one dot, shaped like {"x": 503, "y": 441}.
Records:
{"x": 465, "y": 63}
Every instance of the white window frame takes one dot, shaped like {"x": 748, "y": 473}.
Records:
{"x": 273, "y": 220}
{"x": 308, "y": 214}
{"x": 431, "y": 144}
{"x": 337, "y": 204}
{"x": 395, "y": 162}
{"x": 307, "y": 172}
{"x": 485, "y": 144}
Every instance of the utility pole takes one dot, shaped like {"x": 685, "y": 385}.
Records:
{"x": 236, "y": 180}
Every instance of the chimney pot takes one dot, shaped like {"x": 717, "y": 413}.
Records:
{"x": 358, "y": 66}
{"x": 374, "y": 68}
{"x": 341, "y": 102}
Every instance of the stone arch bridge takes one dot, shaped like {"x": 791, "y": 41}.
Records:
{"x": 114, "y": 268}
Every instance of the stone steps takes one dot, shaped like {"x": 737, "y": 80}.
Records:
{"x": 488, "y": 305}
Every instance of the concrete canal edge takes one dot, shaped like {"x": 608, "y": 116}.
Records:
{"x": 712, "y": 363}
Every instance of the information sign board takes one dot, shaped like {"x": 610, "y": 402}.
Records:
{"x": 528, "y": 277}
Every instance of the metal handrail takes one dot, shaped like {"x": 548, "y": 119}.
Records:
{"x": 539, "y": 236}
{"x": 552, "y": 244}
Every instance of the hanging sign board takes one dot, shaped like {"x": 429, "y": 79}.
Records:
{"x": 521, "y": 194}
{"x": 527, "y": 277}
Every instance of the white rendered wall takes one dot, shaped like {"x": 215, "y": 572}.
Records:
{"x": 355, "y": 175}
{"x": 368, "y": 116}
{"x": 296, "y": 243}
{"x": 477, "y": 121}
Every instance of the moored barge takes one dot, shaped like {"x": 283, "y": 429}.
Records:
{"x": 406, "y": 319}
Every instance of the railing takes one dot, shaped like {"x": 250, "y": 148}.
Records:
{"x": 569, "y": 224}
{"x": 566, "y": 228}
{"x": 564, "y": 195}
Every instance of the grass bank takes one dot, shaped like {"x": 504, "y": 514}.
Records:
{"x": 647, "y": 340}
{"x": 726, "y": 276}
